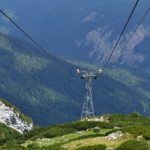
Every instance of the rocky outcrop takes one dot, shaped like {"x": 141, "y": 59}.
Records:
{"x": 99, "y": 119}
{"x": 12, "y": 119}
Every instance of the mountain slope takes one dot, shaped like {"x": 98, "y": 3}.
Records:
{"x": 109, "y": 131}
{"x": 7, "y": 133}
{"x": 50, "y": 95}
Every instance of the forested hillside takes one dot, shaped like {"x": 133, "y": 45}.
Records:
{"x": 50, "y": 94}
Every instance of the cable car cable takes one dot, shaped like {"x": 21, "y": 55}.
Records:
{"x": 24, "y": 50}
{"x": 120, "y": 35}
{"x": 28, "y": 35}
{"x": 42, "y": 49}
{"x": 15, "y": 44}
{"x": 131, "y": 35}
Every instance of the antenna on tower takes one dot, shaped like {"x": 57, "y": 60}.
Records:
{"x": 88, "y": 108}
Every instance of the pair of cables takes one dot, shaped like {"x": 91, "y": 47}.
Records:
{"x": 121, "y": 51}
{"x": 134, "y": 31}
{"x": 60, "y": 64}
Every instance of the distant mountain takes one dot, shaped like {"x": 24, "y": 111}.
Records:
{"x": 83, "y": 30}
{"x": 49, "y": 94}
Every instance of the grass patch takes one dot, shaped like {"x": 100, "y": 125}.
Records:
{"x": 92, "y": 142}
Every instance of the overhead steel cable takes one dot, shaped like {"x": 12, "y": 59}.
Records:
{"x": 41, "y": 48}
{"x": 18, "y": 46}
{"x": 28, "y": 36}
{"x": 120, "y": 35}
{"x": 15, "y": 44}
{"x": 24, "y": 50}
{"x": 120, "y": 52}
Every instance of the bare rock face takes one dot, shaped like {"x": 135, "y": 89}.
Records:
{"x": 111, "y": 148}
{"x": 11, "y": 119}
{"x": 99, "y": 119}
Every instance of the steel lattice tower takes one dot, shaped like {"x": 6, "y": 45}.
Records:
{"x": 88, "y": 109}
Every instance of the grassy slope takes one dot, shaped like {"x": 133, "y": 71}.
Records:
{"x": 67, "y": 136}
{"x": 88, "y": 137}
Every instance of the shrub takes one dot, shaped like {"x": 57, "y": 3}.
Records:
{"x": 134, "y": 145}
{"x": 95, "y": 147}
{"x": 33, "y": 145}
{"x": 51, "y": 147}
{"x": 96, "y": 130}
{"x": 146, "y": 135}
{"x": 135, "y": 130}
{"x": 138, "y": 130}
{"x": 14, "y": 147}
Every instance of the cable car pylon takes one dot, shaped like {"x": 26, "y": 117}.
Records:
{"x": 88, "y": 108}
